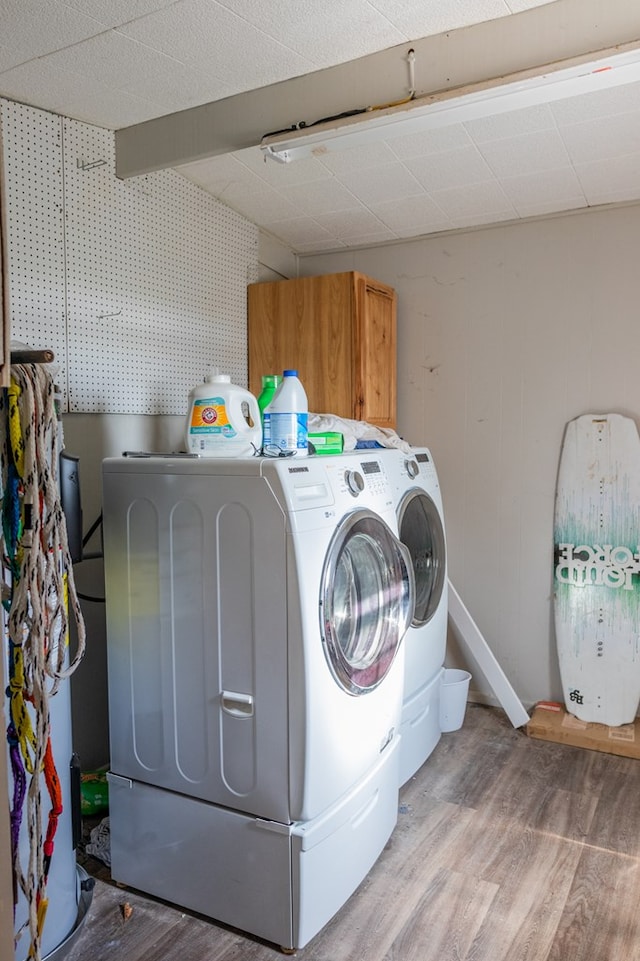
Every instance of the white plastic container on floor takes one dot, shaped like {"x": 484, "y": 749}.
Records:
{"x": 285, "y": 419}
{"x": 223, "y": 419}
{"x": 453, "y": 699}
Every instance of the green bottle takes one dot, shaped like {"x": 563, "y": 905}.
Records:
{"x": 270, "y": 384}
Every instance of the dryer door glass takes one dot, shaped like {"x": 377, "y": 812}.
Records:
{"x": 422, "y": 532}
{"x": 366, "y": 601}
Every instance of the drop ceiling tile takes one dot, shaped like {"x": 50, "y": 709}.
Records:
{"x": 456, "y": 168}
{"x": 342, "y": 31}
{"x": 120, "y": 63}
{"x": 170, "y": 54}
{"x": 418, "y": 229}
{"x": 560, "y": 186}
{"x": 258, "y": 203}
{"x": 596, "y": 105}
{"x": 299, "y": 230}
{"x": 476, "y": 200}
{"x": 517, "y": 6}
{"x": 378, "y": 237}
{"x": 550, "y": 207}
{"x": 115, "y": 12}
{"x": 417, "y": 18}
{"x": 612, "y": 180}
{"x": 213, "y": 168}
{"x": 401, "y": 213}
{"x": 350, "y": 223}
{"x": 215, "y": 174}
{"x": 391, "y": 182}
{"x": 57, "y": 90}
{"x": 601, "y": 139}
{"x": 342, "y": 162}
{"x": 319, "y": 197}
{"x": 528, "y": 153}
{"x": 482, "y": 219}
{"x": 503, "y": 126}
{"x": 212, "y": 39}
{"x": 320, "y": 246}
{"x": 305, "y": 170}
{"x": 430, "y": 142}
{"x": 31, "y": 29}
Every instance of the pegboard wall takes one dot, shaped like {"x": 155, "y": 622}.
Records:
{"x": 139, "y": 286}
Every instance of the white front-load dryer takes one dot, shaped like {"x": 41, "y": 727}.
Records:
{"x": 418, "y": 501}
{"x": 256, "y": 610}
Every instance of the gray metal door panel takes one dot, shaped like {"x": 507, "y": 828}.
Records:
{"x": 196, "y": 625}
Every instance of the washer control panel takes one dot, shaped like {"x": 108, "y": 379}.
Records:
{"x": 355, "y": 479}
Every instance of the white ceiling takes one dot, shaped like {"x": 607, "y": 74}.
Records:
{"x": 116, "y": 63}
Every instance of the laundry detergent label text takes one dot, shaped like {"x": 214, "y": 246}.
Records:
{"x": 584, "y": 565}
{"x": 209, "y": 416}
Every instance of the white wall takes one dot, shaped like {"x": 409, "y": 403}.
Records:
{"x": 504, "y": 335}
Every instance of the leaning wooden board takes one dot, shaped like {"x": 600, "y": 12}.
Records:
{"x": 596, "y": 568}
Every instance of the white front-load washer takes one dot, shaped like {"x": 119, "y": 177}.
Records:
{"x": 418, "y": 501}
{"x": 255, "y": 616}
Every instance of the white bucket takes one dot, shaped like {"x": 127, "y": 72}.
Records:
{"x": 453, "y": 699}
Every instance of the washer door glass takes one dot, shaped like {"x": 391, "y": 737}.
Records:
{"x": 366, "y": 601}
{"x": 422, "y": 532}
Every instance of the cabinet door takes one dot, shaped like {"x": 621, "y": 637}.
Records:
{"x": 305, "y": 324}
{"x": 339, "y": 332}
{"x": 375, "y": 353}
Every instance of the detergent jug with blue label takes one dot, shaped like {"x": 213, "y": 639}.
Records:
{"x": 223, "y": 419}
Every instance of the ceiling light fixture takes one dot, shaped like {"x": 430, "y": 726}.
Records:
{"x": 502, "y": 95}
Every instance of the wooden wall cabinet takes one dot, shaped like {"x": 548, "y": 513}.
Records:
{"x": 339, "y": 332}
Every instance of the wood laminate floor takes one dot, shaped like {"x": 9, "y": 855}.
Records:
{"x": 506, "y": 849}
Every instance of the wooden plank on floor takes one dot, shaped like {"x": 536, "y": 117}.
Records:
{"x": 107, "y": 935}
{"x": 601, "y": 918}
{"x": 446, "y": 919}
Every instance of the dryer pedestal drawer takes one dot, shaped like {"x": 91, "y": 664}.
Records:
{"x": 420, "y": 728}
{"x": 210, "y": 859}
{"x": 280, "y": 882}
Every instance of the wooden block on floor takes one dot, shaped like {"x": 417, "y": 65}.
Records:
{"x": 550, "y": 721}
